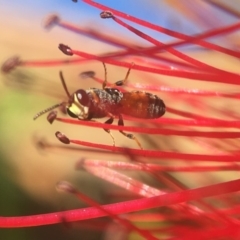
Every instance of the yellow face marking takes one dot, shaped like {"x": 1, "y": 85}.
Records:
{"x": 77, "y": 109}
{"x": 74, "y": 108}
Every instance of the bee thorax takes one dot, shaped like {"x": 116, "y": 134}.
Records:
{"x": 104, "y": 101}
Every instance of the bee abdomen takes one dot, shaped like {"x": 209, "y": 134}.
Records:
{"x": 142, "y": 105}
{"x": 156, "y": 106}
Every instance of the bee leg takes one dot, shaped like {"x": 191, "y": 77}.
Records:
{"x": 122, "y": 82}
{"x": 128, "y": 135}
{"x": 104, "y": 84}
{"x": 110, "y": 121}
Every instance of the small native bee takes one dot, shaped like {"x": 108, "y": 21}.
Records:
{"x": 110, "y": 102}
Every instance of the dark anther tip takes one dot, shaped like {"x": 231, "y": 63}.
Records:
{"x": 87, "y": 74}
{"x": 106, "y": 14}
{"x": 75, "y": 1}
{"x": 62, "y": 138}
{"x": 65, "y": 49}
{"x": 52, "y": 116}
{"x": 10, "y": 64}
{"x": 51, "y": 21}
{"x": 119, "y": 83}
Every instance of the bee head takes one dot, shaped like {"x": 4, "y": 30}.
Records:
{"x": 78, "y": 105}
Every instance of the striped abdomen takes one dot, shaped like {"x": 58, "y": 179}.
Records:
{"x": 141, "y": 105}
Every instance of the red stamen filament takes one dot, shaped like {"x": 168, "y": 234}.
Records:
{"x": 235, "y": 79}
{"x": 124, "y": 207}
{"x": 70, "y": 189}
{"x": 188, "y": 39}
{"x": 158, "y": 168}
{"x": 162, "y": 154}
{"x": 208, "y": 134}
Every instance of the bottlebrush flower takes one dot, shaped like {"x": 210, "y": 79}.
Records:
{"x": 183, "y": 184}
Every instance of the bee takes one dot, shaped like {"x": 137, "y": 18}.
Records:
{"x": 110, "y": 102}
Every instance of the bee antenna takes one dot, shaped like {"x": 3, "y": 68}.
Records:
{"x": 57, "y": 105}
{"x": 64, "y": 84}
{"x": 47, "y": 110}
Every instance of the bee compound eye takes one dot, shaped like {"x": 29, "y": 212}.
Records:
{"x": 71, "y": 114}
{"x": 82, "y": 97}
